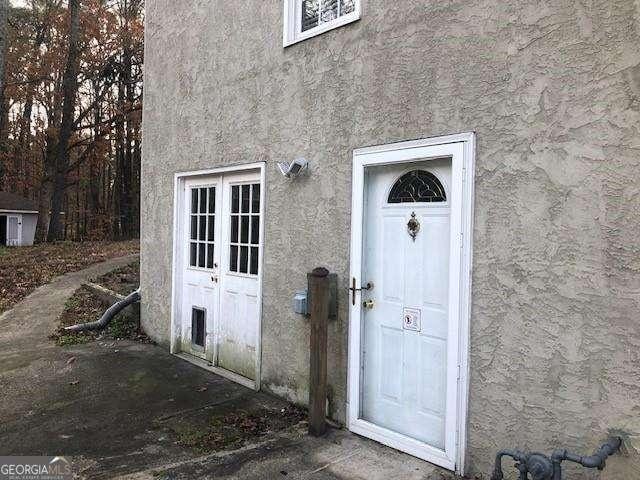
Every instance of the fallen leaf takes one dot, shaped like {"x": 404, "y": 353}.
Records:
{"x": 202, "y": 389}
{"x": 24, "y": 269}
{"x": 74, "y": 382}
{"x": 71, "y": 360}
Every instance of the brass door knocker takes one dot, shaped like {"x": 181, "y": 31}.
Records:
{"x": 413, "y": 226}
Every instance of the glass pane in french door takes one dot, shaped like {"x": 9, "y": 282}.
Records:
{"x": 245, "y": 229}
{"x": 202, "y": 227}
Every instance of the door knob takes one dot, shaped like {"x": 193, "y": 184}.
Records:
{"x": 369, "y": 304}
{"x": 353, "y": 289}
{"x": 214, "y": 279}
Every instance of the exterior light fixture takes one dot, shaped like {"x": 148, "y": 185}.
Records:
{"x": 293, "y": 169}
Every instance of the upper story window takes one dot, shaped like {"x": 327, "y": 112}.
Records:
{"x": 307, "y": 18}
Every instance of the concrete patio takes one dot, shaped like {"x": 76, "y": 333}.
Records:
{"x": 129, "y": 410}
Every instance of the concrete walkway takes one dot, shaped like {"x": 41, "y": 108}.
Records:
{"x": 109, "y": 405}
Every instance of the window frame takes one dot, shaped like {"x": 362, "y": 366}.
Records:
{"x": 293, "y": 22}
{"x": 208, "y": 243}
{"x": 239, "y": 244}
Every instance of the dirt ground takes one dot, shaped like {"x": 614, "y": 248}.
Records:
{"x": 85, "y": 306}
{"x": 23, "y": 269}
{"x": 122, "y": 280}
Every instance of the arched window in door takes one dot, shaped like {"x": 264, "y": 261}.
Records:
{"x": 417, "y": 186}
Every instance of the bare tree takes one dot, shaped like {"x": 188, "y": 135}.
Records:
{"x": 74, "y": 83}
{"x": 4, "y": 113}
{"x": 69, "y": 91}
{"x": 39, "y": 20}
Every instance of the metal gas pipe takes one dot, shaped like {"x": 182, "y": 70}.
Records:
{"x": 537, "y": 466}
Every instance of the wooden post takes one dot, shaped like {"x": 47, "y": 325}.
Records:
{"x": 320, "y": 296}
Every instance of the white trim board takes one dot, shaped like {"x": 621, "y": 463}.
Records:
{"x": 461, "y": 148}
{"x": 176, "y": 267}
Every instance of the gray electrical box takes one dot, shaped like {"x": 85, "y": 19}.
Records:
{"x": 300, "y": 303}
{"x": 302, "y": 299}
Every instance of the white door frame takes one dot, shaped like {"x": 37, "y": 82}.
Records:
{"x": 461, "y": 147}
{"x": 177, "y": 267}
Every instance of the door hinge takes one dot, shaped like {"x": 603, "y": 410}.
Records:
{"x": 458, "y": 372}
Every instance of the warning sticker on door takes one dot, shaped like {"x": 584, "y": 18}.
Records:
{"x": 411, "y": 319}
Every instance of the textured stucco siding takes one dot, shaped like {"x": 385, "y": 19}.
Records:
{"x": 552, "y": 89}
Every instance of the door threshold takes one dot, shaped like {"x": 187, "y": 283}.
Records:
{"x": 403, "y": 443}
{"x": 234, "y": 377}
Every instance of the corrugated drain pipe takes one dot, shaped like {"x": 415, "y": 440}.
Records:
{"x": 107, "y": 316}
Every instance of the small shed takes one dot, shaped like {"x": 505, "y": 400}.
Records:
{"x": 18, "y": 220}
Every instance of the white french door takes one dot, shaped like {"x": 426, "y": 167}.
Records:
{"x": 201, "y": 261}
{"x": 239, "y": 307}
{"x": 219, "y": 315}
{"x": 408, "y": 330}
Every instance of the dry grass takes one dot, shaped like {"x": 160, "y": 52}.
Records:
{"x": 23, "y": 269}
{"x": 123, "y": 280}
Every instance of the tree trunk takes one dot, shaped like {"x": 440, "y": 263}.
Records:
{"x": 77, "y": 233}
{"x": 22, "y": 149}
{"x": 4, "y": 114}
{"x": 69, "y": 90}
{"x": 129, "y": 176}
{"x": 22, "y": 146}
{"x": 44, "y": 192}
{"x": 119, "y": 197}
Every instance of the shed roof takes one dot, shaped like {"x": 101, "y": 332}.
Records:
{"x": 15, "y": 203}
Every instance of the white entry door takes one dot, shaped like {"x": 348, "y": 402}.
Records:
{"x": 220, "y": 314}
{"x": 405, "y": 329}
{"x": 405, "y": 325}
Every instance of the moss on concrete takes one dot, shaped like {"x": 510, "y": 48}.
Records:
{"x": 231, "y": 427}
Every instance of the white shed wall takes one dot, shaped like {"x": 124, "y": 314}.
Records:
{"x": 29, "y": 222}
